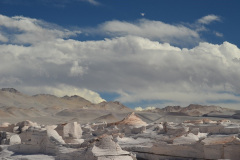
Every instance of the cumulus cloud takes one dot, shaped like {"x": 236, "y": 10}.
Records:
{"x": 154, "y": 30}
{"x": 23, "y": 30}
{"x": 134, "y": 67}
{"x": 138, "y": 109}
{"x": 180, "y": 34}
{"x": 208, "y": 19}
{"x": 3, "y": 38}
{"x": 144, "y": 109}
{"x": 61, "y": 90}
{"x": 76, "y": 70}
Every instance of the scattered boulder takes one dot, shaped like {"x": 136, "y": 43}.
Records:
{"x": 106, "y": 148}
{"x": 38, "y": 141}
{"x": 24, "y": 125}
{"x": 69, "y": 130}
{"x": 8, "y": 138}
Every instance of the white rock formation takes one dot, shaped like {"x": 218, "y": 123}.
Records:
{"x": 107, "y": 149}
{"x": 24, "y": 125}
{"x": 70, "y": 130}
{"x": 198, "y": 139}
{"x": 8, "y": 138}
{"x": 38, "y": 141}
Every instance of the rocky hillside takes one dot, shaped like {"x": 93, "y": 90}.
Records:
{"x": 16, "y": 104}
{"x": 113, "y": 106}
{"x": 196, "y": 110}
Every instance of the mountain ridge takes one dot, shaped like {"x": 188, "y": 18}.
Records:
{"x": 16, "y": 104}
{"x": 193, "y": 110}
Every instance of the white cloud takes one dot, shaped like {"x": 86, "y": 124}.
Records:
{"x": 134, "y": 67}
{"x": 150, "y": 108}
{"x": 144, "y": 109}
{"x": 180, "y": 34}
{"x": 138, "y": 109}
{"x": 61, "y": 90}
{"x": 25, "y": 30}
{"x": 208, "y": 19}
{"x": 3, "y": 38}
{"x": 218, "y": 34}
{"x": 154, "y": 30}
{"x": 76, "y": 70}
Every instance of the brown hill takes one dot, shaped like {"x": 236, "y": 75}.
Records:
{"x": 111, "y": 106}
{"x": 194, "y": 110}
{"x": 200, "y": 110}
{"x": 15, "y": 104}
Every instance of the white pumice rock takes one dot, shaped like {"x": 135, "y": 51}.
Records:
{"x": 8, "y": 138}
{"x": 49, "y": 126}
{"x": 175, "y": 130}
{"x": 87, "y": 129}
{"x": 24, "y": 125}
{"x": 186, "y": 139}
{"x": 69, "y": 130}
{"x": 106, "y": 148}
{"x": 14, "y": 139}
{"x": 198, "y": 139}
{"x": 38, "y": 142}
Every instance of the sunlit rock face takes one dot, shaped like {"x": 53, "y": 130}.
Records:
{"x": 132, "y": 120}
{"x": 131, "y": 124}
{"x": 128, "y": 139}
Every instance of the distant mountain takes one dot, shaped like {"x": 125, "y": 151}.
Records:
{"x": 200, "y": 110}
{"x": 196, "y": 110}
{"x": 12, "y": 90}
{"x": 112, "y": 106}
{"x": 16, "y": 104}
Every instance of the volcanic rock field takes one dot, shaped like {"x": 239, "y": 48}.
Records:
{"x": 72, "y": 128}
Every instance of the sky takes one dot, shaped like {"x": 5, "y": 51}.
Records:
{"x": 143, "y": 53}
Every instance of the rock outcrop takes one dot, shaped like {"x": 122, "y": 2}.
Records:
{"x": 69, "y": 131}
{"x": 132, "y": 120}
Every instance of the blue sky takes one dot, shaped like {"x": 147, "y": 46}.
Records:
{"x": 141, "y": 53}
{"x": 81, "y": 13}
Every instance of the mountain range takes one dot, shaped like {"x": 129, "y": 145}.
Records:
{"x": 15, "y": 106}
{"x": 18, "y": 105}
